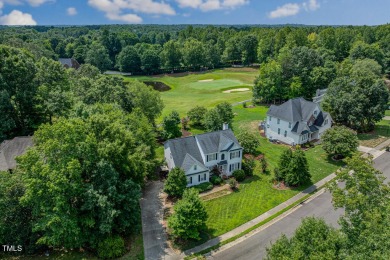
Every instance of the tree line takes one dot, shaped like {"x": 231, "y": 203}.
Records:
{"x": 94, "y": 145}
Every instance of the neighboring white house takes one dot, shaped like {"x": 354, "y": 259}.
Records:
{"x": 296, "y": 121}
{"x": 200, "y": 154}
{"x": 320, "y": 94}
{"x": 10, "y": 149}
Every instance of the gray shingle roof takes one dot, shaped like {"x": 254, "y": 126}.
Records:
{"x": 181, "y": 147}
{"x": 10, "y": 149}
{"x": 294, "y": 110}
{"x": 185, "y": 151}
{"x": 69, "y": 63}
{"x": 216, "y": 141}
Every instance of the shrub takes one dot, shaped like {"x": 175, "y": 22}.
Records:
{"x": 189, "y": 216}
{"x": 340, "y": 141}
{"x": 216, "y": 180}
{"x": 176, "y": 183}
{"x": 232, "y": 183}
{"x": 244, "y": 105}
{"x": 111, "y": 247}
{"x": 249, "y": 140}
{"x": 204, "y": 186}
{"x": 264, "y": 164}
{"x": 248, "y": 165}
{"x": 239, "y": 175}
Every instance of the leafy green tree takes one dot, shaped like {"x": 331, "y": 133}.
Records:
{"x": 146, "y": 99}
{"x": 150, "y": 61}
{"x": 97, "y": 55}
{"x": 249, "y": 140}
{"x": 248, "y": 48}
{"x": 53, "y": 95}
{"x": 212, "y": 120}
{"x": 313, "y": 239}
{"x": 111, "y": 247}
{"x": 18, "y": 112}
{"x": 212, "y": 55}
{"x": 362, "y": 50}
{"x": 366, "y": 199}
{"x": 171, "y": 55}
{"x": 298, "y": 172}
{"x": 170, "y": 124}
{"x": 215, "y": 118}
{"x": 83, "y": 176}
{"x": 128, "y": 60}
{"x": 197, "y": 115}
{"x": 340, "y": 141}
{"x": 357, "y": 99}
{"x": 176, "y": 183}
{"x": 268, "y": 85}
{"x": 232, "y": 52}
{"x": 194, "y": 54}
{"x": 103, "y": 89}
{"x": 16, "y": 219}
{"x": 293, "y": 167}
{"x": 189, "y": 217}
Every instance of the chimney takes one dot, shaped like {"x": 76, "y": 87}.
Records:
{"x": 225, "y": 126}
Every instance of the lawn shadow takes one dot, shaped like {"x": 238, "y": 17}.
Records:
{"x": 251, "y": 179}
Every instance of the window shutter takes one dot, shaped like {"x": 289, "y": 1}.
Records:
{"x": 230, "y": 167}
{"x": 216, "y": 156}
{"x": 205, "y": 176}
{"x": 199, "y": 178}
{"x": 207, "y": 158}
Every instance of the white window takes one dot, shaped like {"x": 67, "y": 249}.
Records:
{"x": 223, "y": 156}
{"x": 189, "y": 180}
{"x": 202, "y": 177}
{"x": 270, "y": 118}
{"x": 285, "y": 133}
{"x": 234, "y": 166}
{"x": 315, "y": 112}
{"x": 326, "y": 122}
{"x": 212, "y": 157}
{"x": 289, "y": 125}
{"x": 195, "y": 167}
{"x": 278, "y": 121}
{"x": 267, "y": 125}
{"x": 235, "y": 154}
{"x": 278, "y": 131}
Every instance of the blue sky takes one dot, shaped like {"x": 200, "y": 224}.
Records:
{"x": 82, "y": 12}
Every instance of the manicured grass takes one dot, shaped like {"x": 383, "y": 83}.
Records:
{"x": 387, "y": 113}
{"x": 376, "y": 137}
{"x": 257, "y": 195}
{"x": 187, "y": 90}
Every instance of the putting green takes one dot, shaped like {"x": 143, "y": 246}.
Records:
{"x": 220, "y": 84}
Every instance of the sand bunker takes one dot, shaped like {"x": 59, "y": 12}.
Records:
{"x": 205, "y": 80}
{"x": 236, "y": 90}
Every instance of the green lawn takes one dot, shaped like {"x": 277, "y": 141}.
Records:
{"x": 256, "y": 195}
{"x": 376, "y": 137}
{"x": 191, "y": 90}
{"x": 387, "y": 113}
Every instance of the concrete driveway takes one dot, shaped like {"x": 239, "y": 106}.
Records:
{"x": 254, "y": 247}
{"x": 154, "y": 236}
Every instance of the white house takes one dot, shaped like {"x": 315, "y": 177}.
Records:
{"x": 296, "y": 121}
{"x": 200, "y": 154}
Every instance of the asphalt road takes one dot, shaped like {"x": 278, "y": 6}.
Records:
{"x": 254, "y": 247}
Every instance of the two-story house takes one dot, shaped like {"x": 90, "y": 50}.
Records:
{"x": 296, "y": 121}
{"x": 199, "y": 155}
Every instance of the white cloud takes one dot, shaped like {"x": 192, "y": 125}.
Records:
{"x": 311, "y": 5}
{"x": 210, "y": 5}
{"x": 115, "y": 9}
{"x": 38, "y": 2}
{"x": 17, "y": 17}
{"x": 285, "y": 10}
{"x": 71, "y": 11}
{"x": 292, "y": 9}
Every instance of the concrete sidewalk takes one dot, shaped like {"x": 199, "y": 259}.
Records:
{"x": 259, "y": 219}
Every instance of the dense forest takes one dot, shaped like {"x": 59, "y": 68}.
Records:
{"x": 95, "y": 136}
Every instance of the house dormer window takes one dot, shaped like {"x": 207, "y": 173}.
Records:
{"x": 195, "y": 167}
{"x": 315, "y": 112}
{"x": 278, "y": 121}
{"x": 326, "y": 122}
